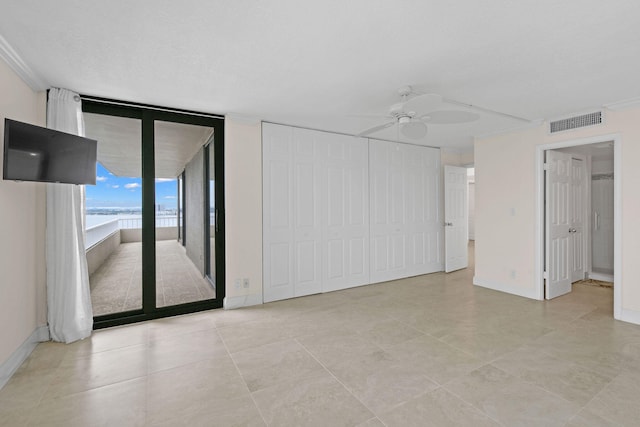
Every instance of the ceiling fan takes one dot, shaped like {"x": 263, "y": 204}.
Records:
{"x": 413, "y": 113}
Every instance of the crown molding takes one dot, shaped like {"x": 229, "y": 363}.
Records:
{"x": 623, "y": 105}
{"x": 15, "y": 62}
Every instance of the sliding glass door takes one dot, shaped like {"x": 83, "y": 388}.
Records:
{"x": 113, "y": 218}
{"x": 182, "y": 271}
{"x": 169, "y": 161}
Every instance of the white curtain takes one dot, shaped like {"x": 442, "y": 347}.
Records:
{"x": 68, "y": 294}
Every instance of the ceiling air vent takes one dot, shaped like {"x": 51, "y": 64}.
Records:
{"x": 569, "y": 123}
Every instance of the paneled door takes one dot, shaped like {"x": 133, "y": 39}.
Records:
{"x": 278, "y": 221}
{"x": 341, "y": 211}
{"x": 387, "y": 210}
{"x": 578, "y": 220}
{"x": 423, "y": 220}
{"x": 406, "y": 228}
{"x": 455, "y": 218}
{"x": 316, "y": 219}
{"x": 557, "y": 224}
{"x": 345, "y": 207}
{"x": 307, "y": 186}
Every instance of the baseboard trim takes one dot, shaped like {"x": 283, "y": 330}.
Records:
{"x": 231, "y": 303}
{"x": 602, "y": 277}
{"x": 11, "y": 365}
{"x": 631, "y": 316}
{"x": 497, "y": 286}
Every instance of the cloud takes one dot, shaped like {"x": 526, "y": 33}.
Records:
{"x": 131, "y": 185}
{"x": 165, "y": 179}
{"x": 169, "y": 197}
{"x": 101, "y": 178}
{"x": 115, "y": 186}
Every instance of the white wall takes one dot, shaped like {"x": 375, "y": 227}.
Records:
{"x": 243, "y": 211}
{"x": 472, "y": 210}
{"x": 601, "y": 166}
{"x": 194, "y": 213}
{"x": 506, "y": 206}
{"x": 456, "y": 157}
{"x": 22, "y": 228}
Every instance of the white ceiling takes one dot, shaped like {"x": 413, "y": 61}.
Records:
{"x": 120, "y": 149}
{"x": 316, "y": 63}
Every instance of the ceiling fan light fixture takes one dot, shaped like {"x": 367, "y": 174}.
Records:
{"x": 414, "y": 130}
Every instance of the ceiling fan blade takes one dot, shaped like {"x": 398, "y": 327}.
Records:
{"x": 376, "y": 128}
{"x": 369, "y": 116}
{"x": 447, "y": 117}
{"x": 423, "y": 104}
{"x": 414, "y": 129}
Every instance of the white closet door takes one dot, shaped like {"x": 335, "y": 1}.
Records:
{"x": 278, "y": 220}
{"x": 307, "y": 187}
{"x": 423, "y": 226}
{"x": 346, "y": 212}
{"x": 386, "y": 211}
{"x": 406, "y": 229}
{"x": 342, "y": 211}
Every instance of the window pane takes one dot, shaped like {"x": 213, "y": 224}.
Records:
{"x": 181, "y": 270}
{"x": 113, "y": 218}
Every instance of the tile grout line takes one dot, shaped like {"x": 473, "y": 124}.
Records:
{"x": 536, "y": 386}
{"x": 243, "y": 380}
{"x": 338, "y": 380}
{"x": 594, "y": 398}
{"x": 472, "y": 405}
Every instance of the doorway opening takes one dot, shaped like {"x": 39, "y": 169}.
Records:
{"x": 578, "y": 215}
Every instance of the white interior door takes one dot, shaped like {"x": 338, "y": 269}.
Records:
{"x": 578, "y": 221}
{"x": 455, "y": 218}
{"x": 307, "y": 187}
{"x": 341, "y": 211}
{"x": 558, "y": 215}
{"x": 278, "y": 218}
{"x": 346, "y": 207}
{"x": 423, "y": 216}
{"x": 386, "y": 211}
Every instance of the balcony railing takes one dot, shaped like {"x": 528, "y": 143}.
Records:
{"x": 161, "y": 222}
{"x": 97, "y": 233}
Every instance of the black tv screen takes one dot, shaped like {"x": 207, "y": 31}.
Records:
{"x": 34, "y": 153}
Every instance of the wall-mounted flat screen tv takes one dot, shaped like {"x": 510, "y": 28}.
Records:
{"x": 34, "y": 153}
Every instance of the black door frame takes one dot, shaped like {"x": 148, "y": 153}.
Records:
{"x": 148, "y": 114}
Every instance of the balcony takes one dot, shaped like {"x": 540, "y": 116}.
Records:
{"x": 114, "y": 250}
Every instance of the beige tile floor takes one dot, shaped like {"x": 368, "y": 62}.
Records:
{"x": 429, "y": 350}
{"x": 117, "y": 285}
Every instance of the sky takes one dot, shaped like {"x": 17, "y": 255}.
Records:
{"x": 114, "y": 191}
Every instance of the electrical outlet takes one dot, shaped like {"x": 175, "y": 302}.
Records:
{"x": 236, "y": 284}
{"x": 245, "y": 283}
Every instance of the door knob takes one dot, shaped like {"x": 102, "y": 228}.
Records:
{"x": 448, "y": 224}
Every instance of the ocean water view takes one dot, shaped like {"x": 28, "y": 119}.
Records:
{"x": 163, "y": 219}
{"x": 99, "y": 226}
{"x": 91, "y": 220}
